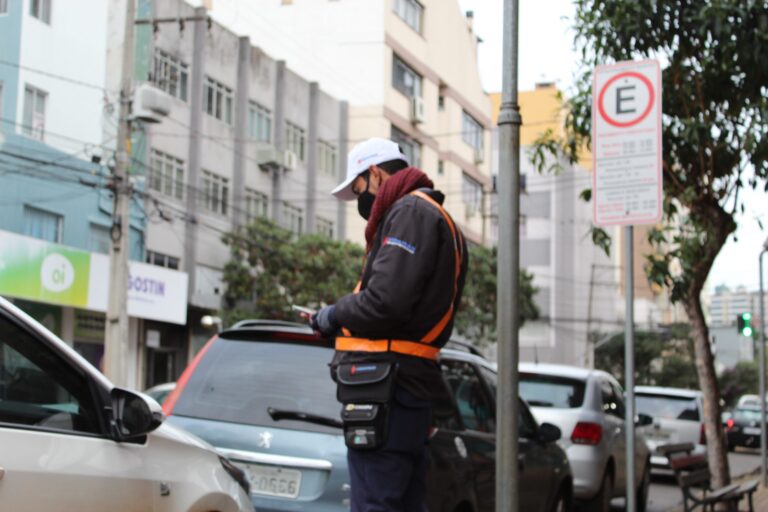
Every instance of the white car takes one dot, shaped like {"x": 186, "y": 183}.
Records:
{"x": 588, "y": 407}
{"x": 678, "y": 417}
{"x": 70, "y": 440}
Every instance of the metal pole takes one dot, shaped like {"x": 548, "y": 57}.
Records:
{"x": 507, "y": 403}
{"x": 116, "y": 343}
{"x": 761, "y": 355}
{"x": 629, "y": 366}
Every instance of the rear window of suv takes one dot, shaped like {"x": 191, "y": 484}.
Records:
{"x": 667, "y": 406}
{"x": 237, "y": 381}
{"x": 551, "y": 391}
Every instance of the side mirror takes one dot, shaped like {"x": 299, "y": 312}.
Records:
{"x": 549, "y": 433}
{"x": 133, "y": 414}
{"x": 643, "y": 420}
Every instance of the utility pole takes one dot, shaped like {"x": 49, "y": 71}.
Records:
{"x": 761, "y": 355}
{"x": 116, "y": 343}
{"x": 508, "y": 279}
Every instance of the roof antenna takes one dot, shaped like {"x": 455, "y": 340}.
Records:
{"x": 535, "y": 351}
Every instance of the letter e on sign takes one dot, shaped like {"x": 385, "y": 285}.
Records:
{"x": 626, "y": 144}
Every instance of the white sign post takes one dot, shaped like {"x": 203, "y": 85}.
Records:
{"x": 627, "y": 189}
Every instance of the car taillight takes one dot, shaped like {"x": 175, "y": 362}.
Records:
{"x": 702, "y": 435}
{"x": 587, "y": 433}
{"x": 170, "y": 402}
{"x": 729, "y": 424}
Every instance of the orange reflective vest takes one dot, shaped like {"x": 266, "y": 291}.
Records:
{"x": 425, "y": 346}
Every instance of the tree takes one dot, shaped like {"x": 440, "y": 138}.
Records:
{"x": 662, "y": 358}
{"x": 269, "y": 270}
{"x": 476, "y": 318}
{"x": 715, "y": 142}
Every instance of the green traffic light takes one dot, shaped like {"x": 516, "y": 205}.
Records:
{"x": 747, "y": 317}
{"x": 747, "y": 331}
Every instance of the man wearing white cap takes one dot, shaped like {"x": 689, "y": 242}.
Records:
{"x": 398, "y": 318}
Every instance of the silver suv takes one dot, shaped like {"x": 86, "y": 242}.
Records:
{"x": 588, "y": 406}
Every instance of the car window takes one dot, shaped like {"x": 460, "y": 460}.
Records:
{"x": 238, "y": 381}
{"x": 746, "y": 414}
{"x": 475, "y": 406}
{"x": 617, "y": 400}
{"x": 668, "y": 407}
{"x": 613, "y": 404}
{"x": 551, "y": 391}
{"x": 39, "y": 389}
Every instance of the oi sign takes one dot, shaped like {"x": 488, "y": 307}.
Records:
{"x": 626, "y": 124}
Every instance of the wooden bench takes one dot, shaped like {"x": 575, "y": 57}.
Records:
{"x": 692, "y": 474}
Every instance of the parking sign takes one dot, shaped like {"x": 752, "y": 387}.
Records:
{"x": 626, "y": 136}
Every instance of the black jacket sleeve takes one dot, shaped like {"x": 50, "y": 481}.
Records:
{"x": 399, "y": 272}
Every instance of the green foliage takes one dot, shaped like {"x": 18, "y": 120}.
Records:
{"x": 476, "y": 318}
{"x": 739, "y": 380}
{"x": 662, "y": 358}
{"x": 269, "y": 270}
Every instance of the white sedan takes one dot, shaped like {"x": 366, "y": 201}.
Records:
{"x": 70, "y": 440}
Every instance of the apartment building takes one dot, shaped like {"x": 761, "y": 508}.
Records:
{"x": 409, "y": 71}
{"x": 245, "y": 136}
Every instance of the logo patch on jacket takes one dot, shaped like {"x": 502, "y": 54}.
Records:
{"x": 400, "y": 243}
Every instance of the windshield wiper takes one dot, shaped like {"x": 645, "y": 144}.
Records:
{"x": 539, "y": 403}
{"x": 280, "y": 414}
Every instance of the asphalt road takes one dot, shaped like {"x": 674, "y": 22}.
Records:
{"x": 664, "y": 491}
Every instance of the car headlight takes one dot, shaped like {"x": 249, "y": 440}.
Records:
{"x": 238, "y": 474}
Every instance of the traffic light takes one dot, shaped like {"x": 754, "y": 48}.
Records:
{"x": 744, "y": 324}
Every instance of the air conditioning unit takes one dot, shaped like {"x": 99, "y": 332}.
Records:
{"x": 479, "y": 155}
{"x": 150, "y": 104}
{"x": 269, "y": 157}
{"x": 290, "y": 160}
{"x": 417, "y": 110}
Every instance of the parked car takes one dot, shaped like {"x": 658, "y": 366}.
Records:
{"x": 261, "y": 392}
{"x": 749, "y": 401}
{"x": 744, "y": 427}
{"x": 677, "y": 418}
{"x": 161, "y": 391}
{"x": 70, "y": 440}
{"x": 588, "y": 406}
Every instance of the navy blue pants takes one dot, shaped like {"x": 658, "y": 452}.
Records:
{"x": 393, "y": 478}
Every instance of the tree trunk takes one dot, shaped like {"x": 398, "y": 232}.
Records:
{"x": 717, "y": 452}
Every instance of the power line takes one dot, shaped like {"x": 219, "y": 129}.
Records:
{"x": 54, "y": 75}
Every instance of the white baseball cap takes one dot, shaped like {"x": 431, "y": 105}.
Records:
{"x": 373, "y": 151}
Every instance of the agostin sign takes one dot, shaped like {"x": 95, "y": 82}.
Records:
{"x": 44, "y": 272}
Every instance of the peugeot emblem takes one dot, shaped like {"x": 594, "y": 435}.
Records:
{"x": 265, "y": 440}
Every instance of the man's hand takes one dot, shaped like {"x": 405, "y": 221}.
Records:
{"x": 324, "y": 321}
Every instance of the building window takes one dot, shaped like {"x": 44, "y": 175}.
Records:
{"x": 217, "y": 100}
{"x": 256, "y": 204}
{"x": 405, "y": 79}
{"x": 171, "y": 75}
{"x": 471, "y": 131}
{"x": 325, "y": 227}
{"x": 34, "y": 112}
{"x": 215, "y": 193}
{"x": 162, "y": 260}
{"x": 41, "y": 9}
{"x": 99, "y": 239}
{"x": 293, "y": 219}
{"x": 410, "y": 147}
{"x": 3, "y": 7}
{"x": 42, "y": 224}
{"x": 167, "y": 175}
{"x": 259, "y": 122}
{"x": 471, "y": 193}
{"x": 411, "y": 12}
{"x": 294, "y": 139}
{"x": 327, "y": 158}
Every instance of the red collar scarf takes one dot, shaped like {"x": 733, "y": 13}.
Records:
{"x": 397, "y": 186}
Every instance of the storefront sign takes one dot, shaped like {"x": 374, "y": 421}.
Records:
{"x": 44, "y": 272}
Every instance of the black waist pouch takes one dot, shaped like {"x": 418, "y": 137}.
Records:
{"x": 365, "y": 390}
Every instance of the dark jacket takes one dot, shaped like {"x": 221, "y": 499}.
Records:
{"x": 407, "y": 287}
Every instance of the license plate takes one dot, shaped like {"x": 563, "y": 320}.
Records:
{"x": 752, "y": 431}
{"x": 272, "y": 480}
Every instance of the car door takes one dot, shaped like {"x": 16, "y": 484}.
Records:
{"x": 54, "y": 453}
{"x": 478, "y": 435}
{"x": 613, "y": 417}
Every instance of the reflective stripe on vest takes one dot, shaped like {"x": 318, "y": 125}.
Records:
{"x": 421, "y": 348}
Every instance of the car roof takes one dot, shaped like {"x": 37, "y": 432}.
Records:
{"x": 561, "y": 370}
{"x": 676, "y": 392}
